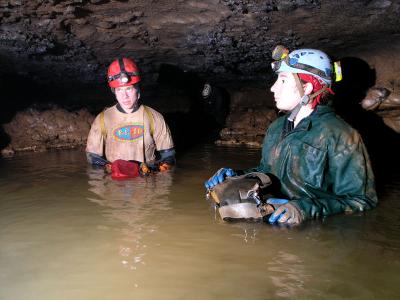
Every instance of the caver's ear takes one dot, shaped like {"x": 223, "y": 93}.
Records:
{"x": 308, "y": 88}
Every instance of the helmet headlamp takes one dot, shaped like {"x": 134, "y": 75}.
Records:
{"x": 123, "y": 78}
{"x": 206, "y": 92}
{"x": 280, "y": 52}
{"x": 123, "y": 72}
{"x": 275, "y": 65}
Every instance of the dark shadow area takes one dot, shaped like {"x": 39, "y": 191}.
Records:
{"x": 206, "y": 111}
{"x": 20, "y": 92}
{"x": 194, "y": 114}
{"x": 4, "y": 138}
{"x": 381, "y": 141}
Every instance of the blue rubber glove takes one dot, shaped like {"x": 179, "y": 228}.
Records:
{"x": 276, "y": 202}
{"x": 219, "y": 177}
{"x": 285, "y": 212}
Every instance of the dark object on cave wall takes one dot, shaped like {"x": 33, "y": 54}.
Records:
{"x": 192, "y": 115}
{"x": 215, "y": 102}
{"x": 53, "y": 128}
{"x": 205, "y": 100}
{"x": 385, "y": 104}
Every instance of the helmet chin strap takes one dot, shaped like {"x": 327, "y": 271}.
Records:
{"x": 305, "y": 99}
{"x": 137, "y": 104}
{"x": 296, "y": 110}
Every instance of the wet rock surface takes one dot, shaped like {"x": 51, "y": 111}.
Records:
{"x": 75, "y": 40}
{"x": 386, "y": 104}
{"x": 41, "y": 130}
{"x": 251, "y": 112}
{"x": 60, "y": 49}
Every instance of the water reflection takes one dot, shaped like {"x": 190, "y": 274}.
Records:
{"x": 245, "y": 230}
{"x": 135, "y": 203}
{"x": 85, "y": 236}
{"x": 287, "y": 274}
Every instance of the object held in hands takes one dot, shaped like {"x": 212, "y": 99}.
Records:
{"x": 240, "y": 197}
{"x": 123, "y": 169}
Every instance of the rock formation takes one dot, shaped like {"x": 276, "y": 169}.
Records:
{"x": 251, "y": 112}
{"x": 53, "y": 128}
{"x": 385, "y": 104}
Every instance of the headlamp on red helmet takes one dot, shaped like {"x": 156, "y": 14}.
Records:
{"x": 123, "y": 72}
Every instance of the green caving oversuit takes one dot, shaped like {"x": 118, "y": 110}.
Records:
{"x": 322, "y": 164}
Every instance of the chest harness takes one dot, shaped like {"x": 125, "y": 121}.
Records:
{"x": 150, "y": 117}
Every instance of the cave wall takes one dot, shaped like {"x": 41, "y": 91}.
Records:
{"x": 384, "y": 58}
{"x": 57, "y": 51}
{"x": 65, "y": 42}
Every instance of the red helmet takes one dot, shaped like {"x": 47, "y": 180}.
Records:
{"x": 122, "y": 72}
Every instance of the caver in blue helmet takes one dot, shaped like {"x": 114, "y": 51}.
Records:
{"x": 307, "y": 61}
{"x": 319, "y": 161}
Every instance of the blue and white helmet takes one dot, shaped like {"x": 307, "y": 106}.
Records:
{"x": 307, "y": 61}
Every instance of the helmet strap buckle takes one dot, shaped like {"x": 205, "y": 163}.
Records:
{"x": 305, "y": 100}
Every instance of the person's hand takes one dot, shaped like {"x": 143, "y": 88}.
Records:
{"x": 276, "y": 202}
{"x": 266, "y": 209}
{"x": 219, "y": 177}
{"x": 164, "y": 166}
{"x": 107, "y": 168}
{"x": 285, "y": 212}
{"x": 144, "y": 169}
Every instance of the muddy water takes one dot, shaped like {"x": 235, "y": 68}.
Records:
{"x": 68, "y": 231}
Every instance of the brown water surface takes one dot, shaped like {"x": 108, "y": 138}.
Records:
{"x": 67, "y": 231}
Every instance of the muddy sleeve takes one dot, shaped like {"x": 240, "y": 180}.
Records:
{"x": 167, "y": 156}
{"x": 352, "y": 185}
{"x": 95, "y": 159}
{"x": 95, "y": 138}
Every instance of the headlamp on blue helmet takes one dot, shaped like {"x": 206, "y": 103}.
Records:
{"x": 308, "y": 61}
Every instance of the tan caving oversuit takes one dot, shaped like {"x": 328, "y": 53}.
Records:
{"x": 129, "y": 136}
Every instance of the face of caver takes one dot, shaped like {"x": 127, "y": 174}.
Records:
{"x": 127, "y": 97}
{"x": 286, "y": 94}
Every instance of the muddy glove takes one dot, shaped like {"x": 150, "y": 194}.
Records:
{"x": 164, "y": 166}
{"x": 285, "y": 212}
{"x": 144, "y": 169}
{"x": 166, "y": 160}
{"x": 272, "y": 205}
{"x": 219, "y": 177}
{"x": 166, "y": 156}
{"x": 155, "y": 167}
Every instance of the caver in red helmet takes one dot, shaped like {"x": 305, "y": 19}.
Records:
{"x": 122, "y": 72}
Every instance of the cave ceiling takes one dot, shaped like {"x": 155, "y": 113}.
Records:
{"x": 66, "y": 41}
